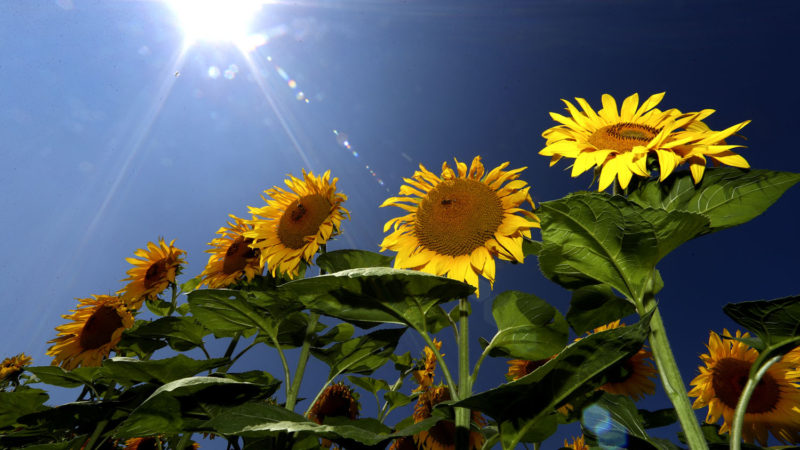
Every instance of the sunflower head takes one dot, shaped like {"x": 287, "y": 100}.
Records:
{"x": 404, "y": 443}
{"x": 95, "y": 329}
{"x": 295, "y": 222}
{"x": 442, "y": 436}
{"x": 424, "y": 376}
{"x": 153, "y": 270}
{"x": 518, "y": 368}
{"x": 457, "y": 223}
{"x": 773, "y": 406}
{"x": 634, "y": 376}
{"x": 618, "y": 142}
{"x": 338, "y": 400}
{"x": 12, "y": 366}
{"x": 143, "y": 443}
{"x": 231, "y": 256}
{"x": 577, "y": 444}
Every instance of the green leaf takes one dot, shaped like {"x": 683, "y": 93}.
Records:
{"x": 361, "y": 355}
{"x": 369, "y": 384}
{"x": 182, "y": 333}
{"x": 191, "y": 285}
{"x": 379, "y": 295}
{"x": 402, "y": 362}
{"x": 73, "y": 444}
{"x": 531, "y": 247}
{"x": 158, "y": 307}
{"x": 596, "y": 305}
{"x": 397, "y": 399}
{"x": 659, "y": 418}
{"x": 615, "y": 415}
{"x": 339, "y": 333}
{"x": 59, "y": 377}
{"x": 727, "y": 196}
{"x": 16, "y": 404}
{"x": 130, "y": 371}
{"x": 579, "y": 368}
{"x": 527, "y": 327}
{"x": 174, "y": 407}
{"x": 339, "y": 260}
{"x": 544, "y": 427}
{"x": 592, "y": 238}
{"x": 776, "y": 324}
{"x": 256, "y": 377}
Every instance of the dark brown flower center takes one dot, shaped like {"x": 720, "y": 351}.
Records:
{"x": 237, "y": 255}
{"x": 458, "y": 216}
{"x": 302, "y": 218}
{"x": 99, "y": 327}
{"x": 336, "y": 401}
{"x": 622, "y": 137}
{"x": 155, "y": 274}
{"x": 729, "y": 377}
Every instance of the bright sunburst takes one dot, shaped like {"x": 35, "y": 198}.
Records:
{"x": 215, "y": 20}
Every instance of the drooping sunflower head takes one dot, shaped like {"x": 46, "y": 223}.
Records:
{"x": 518, "y": 368}
{"x": 153, "y": 270}
{"x": 773, "y": 405}
{"x": 143, "y": 443}
{"x": 442, "y": 436}
{"x": 634, "y": 376}
{"x": 231, "y": 256}
{"x": 458, "y": 223}
{"x": 577, "y": 444}
{"x": 294, "y": 224}
{"x": 95, "y": 329}
{"x": 338, "y": 400}
{"x": 12, "y": 366}
{"x": 424, "y": 376}
{"x": 619, "y": 141}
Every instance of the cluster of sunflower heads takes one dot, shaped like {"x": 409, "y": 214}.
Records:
{"x": 161, "y": 374}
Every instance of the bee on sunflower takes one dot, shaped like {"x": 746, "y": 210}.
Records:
{"x": 95, "y": 329}
{"x": 231, "y": 256}
{"x": 773, "y": 407}
{"x": 457, "y": 223}
{"x": 296, "y": 222}
{"x": 618, "y": 142}
{"x": 154, "y": 269}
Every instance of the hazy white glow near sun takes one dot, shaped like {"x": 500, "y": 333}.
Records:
{"x": 215, "y": 20}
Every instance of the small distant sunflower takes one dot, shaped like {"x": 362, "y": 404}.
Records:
{"x": 231, "y": 256}
{"x": 152, "y": 273}
{"x": 633, "y": 378}
{"x": 96, "y": 328}
{"x": 619, "y": 142}
{"x": 442, "y": 436}
{"x": 459, "y": 222}
{"x": 12, "y": 366}
{"x": 145, "y": 443}
{"x": 337, "y": 400}
{"x": 577, "y": 444}
{"x": 518, "y": 368}
{"x": 295, "y": 223}
{"x": 404, "y": 443}
{"x": 773, "y": 405}
{"x": 424, "y": 376}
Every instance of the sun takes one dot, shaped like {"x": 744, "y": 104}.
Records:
{"x": 215, "y": 20}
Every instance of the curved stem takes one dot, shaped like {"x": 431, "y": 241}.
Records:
{"x": 174, "y": 303}
{"x": 382, "y": 411}
{"x": 671, "y": 376}
{"x": 291, "y": 396}
{"x": 464, "y": 380}
{"x": 744, "y": 399}
{"x": 253, "y": 344}
{"x": 96, "y": 434}
{"x": 477, "y": 367}
{"x": 316, "y": 397}
{"x": 184, "y": 441}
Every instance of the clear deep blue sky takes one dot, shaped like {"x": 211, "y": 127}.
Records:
{"x": 103, "y": 148}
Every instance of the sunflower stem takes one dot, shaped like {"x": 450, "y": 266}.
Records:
{"x": 382, "y": 412}
{"x": 744, "y": 399}
{"x": 291, "y": 396}
{"x": 174, "y": 304}
{"x": 464, "y": 380}
{"x": 671, "y": 376}
{"x": 96, "y": 434}
{"x": 184, "y": 441}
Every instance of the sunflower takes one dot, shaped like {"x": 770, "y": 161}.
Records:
{"x": 458, "y": 223}
{"x": 442, "y": 436}
{"x": 773, "y": 406}
{"x": 577, "y": 444}
{"x": 424, "y": 376}
{"x": 12, "y": 366}
{"x": 295, "y": 223}
{"x": 96, "y": 327}
{"x": 403, "y": 443}
{"x": 619, "y": 142}
{"x": 145, "y": 443}
{"x": 337, "y": 400}
{"x": 518, "y": 368}
{"x": 231, "y": 256}
{"x": 633, "y": 377}
{"x": 153, "y": 273}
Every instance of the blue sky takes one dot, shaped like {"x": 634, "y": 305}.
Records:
{"x": 114, "y": 134}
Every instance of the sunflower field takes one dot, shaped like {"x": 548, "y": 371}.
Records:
{"x": 270, "y": 282}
